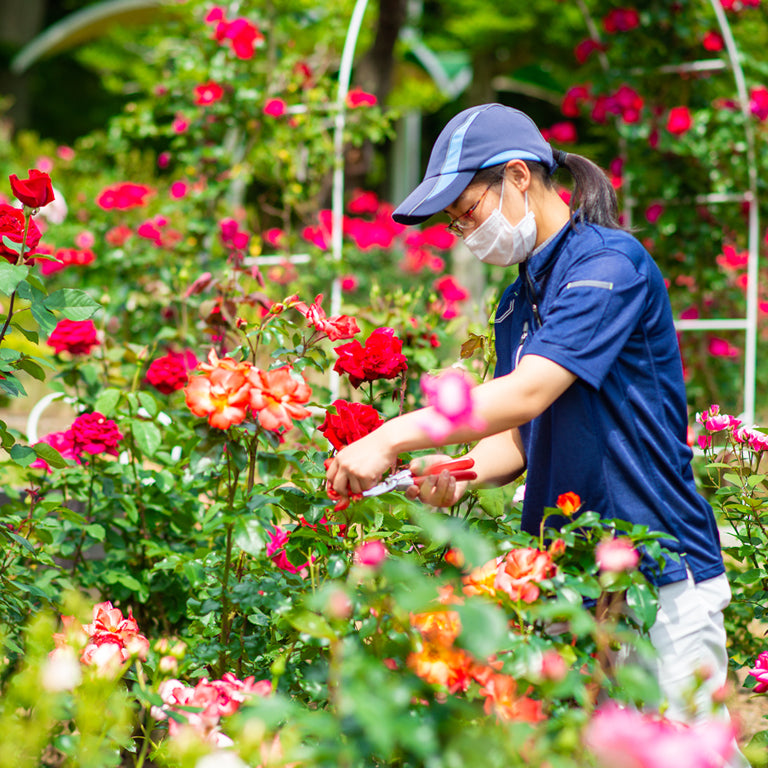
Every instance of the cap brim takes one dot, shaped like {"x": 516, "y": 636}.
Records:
{"x": 432, "y": 196}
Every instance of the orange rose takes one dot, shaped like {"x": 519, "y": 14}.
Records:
{"x": 482, "y": 580}
{"x": 502, "y": 700}
{"x": 221, "y": 393}
{"x": 276, "y": 397}
{"x": 520, "y": 570}
{"x": 568, "y": 503}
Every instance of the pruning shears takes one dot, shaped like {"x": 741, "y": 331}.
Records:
{"x": 460, "y": 469}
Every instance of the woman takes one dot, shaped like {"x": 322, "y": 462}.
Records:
{"x": 588, "y": 391}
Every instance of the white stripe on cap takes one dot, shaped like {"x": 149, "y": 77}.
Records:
{"x": 453, "y": 155}
{"x": 511, "y": 154}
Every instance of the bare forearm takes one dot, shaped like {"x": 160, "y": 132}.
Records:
{"x": 499, "y": 459}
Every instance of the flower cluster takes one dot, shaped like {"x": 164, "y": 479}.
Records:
{"x": 440, "y": 663}
{"x": 200, "y": 708}
{"x": 379, "y": 358}
{"x": 124, "y": 196}
{"x": 63, "y": 257}
{"x": 241, "y": 34}
{"x": 224, "y": 390}
{"x": 90, "y": 433}
{"x": 109, "y": 640}
{"x": 515, "y": 574}
{"x": 371, "y": 226}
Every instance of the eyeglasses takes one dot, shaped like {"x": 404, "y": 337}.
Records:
{"x": 459, "y": 227}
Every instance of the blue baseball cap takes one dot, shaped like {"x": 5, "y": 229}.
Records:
{"x": 478, "y": 137}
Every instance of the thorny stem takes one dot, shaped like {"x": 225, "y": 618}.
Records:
{"x": 89, "y": 511}
{"x": 225, "y": 603}
{"x": 8, "y": 319}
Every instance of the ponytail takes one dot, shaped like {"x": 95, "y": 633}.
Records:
{"x": 593, "y": 195}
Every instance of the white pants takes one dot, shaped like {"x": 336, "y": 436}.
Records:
{"x": 689, "y": 638}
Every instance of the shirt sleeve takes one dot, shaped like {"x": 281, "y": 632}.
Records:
{"x": 598, "y": 305}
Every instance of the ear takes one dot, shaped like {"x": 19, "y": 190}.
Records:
{"x": 518, "y": 173}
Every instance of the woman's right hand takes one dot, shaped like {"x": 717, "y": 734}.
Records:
{"x": 440, "y": 490}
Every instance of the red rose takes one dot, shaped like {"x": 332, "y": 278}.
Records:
{"x": 35, "y": 192}
{"x": 123, "y": 196}
{"x": 94, "y": 433}
{"x": 350, "y": 422}
{"x": 357, "y": 97}
{"x": 12, "y": 227}
{"x": 208, "y": 93}
{"x": 679, "y": 120}
{"x": 380, "y": 358}
{"x": 78, "y": 337}
{"x": 118, "y": 236}
{"x": 170, "y": 372}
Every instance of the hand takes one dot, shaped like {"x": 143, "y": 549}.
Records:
{"x": 441, "y": 490}
{"x": 361, "y": 464}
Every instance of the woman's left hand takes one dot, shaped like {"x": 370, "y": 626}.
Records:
{"x": 360, "y": 465}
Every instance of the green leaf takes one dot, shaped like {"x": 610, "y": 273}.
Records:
{"x": 72, "y": 303}
{"x": 23, "y": 455}
{"x": 32, "y": 336}
{"x": 311, "y": 624}
{"x": 107, "y": 401}
{"x": 451, "y": 531}
{"x": 642, "y": 601}
{"x": 147, "y": 437}
{"x": 33, "y": 369}
{"x": 11, "y": 274}
{"x": 12, "y": 386}
{"x": 50, "y": 455}
{"x": 250, "y": 536}
{"x": 148, "y": 403}
{"x": 483, "y": 628}
{"x": 96, "y": 531}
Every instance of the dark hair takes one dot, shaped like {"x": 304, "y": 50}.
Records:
{"x": 593, "y": 197}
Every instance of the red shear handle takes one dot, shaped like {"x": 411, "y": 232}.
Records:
{"x": 452, "y": 466}
{"x": 459, "y": 469}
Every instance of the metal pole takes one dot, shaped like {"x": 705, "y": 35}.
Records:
{"x": 337, "y": 207}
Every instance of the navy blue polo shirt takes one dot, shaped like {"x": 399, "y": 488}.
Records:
{"x": 595, "y": 303}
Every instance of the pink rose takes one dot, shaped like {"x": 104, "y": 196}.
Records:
{"x": 760, "y": 673}
{"x": 616, "y": 555}
{"x": 371, "y": 553}
{"x": 275, "y": 108}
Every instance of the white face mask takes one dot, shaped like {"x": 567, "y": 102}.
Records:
{"x": 497, "y": 242}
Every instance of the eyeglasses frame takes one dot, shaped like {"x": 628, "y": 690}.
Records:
{"x": 454, "y": 225}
